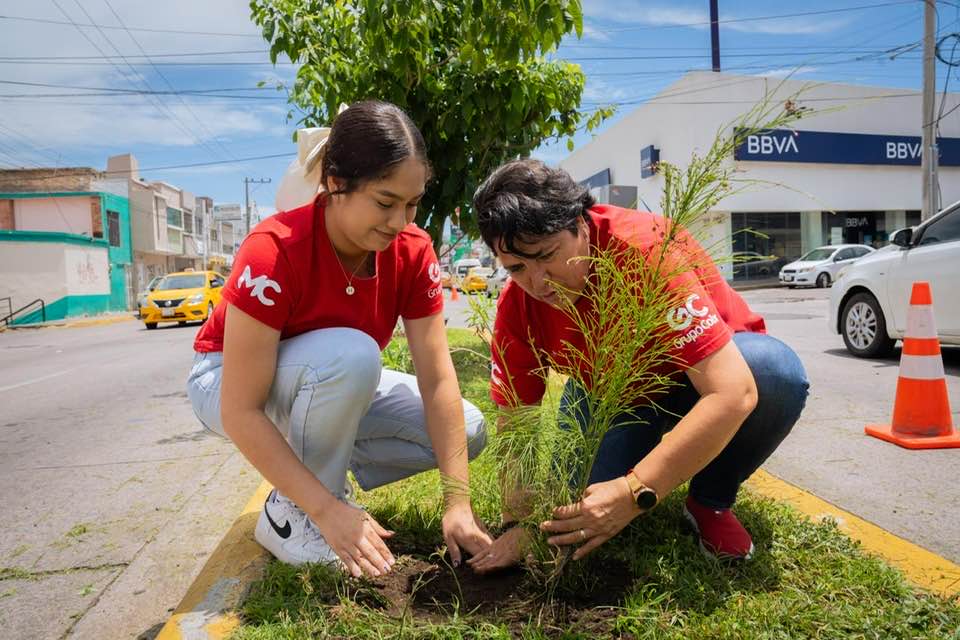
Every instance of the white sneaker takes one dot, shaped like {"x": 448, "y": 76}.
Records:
{"x": 285, "y": 531}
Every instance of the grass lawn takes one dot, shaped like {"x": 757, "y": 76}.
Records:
{"x": 807, "y": 580}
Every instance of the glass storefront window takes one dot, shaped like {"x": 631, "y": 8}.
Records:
{"x": 763, "y": 243}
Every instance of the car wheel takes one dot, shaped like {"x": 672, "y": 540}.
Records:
{"x": 181, "y": 323}
{"x": 823, "y": 280}
{"x": 151, "y": 325}
{"x": 864, "y": 328}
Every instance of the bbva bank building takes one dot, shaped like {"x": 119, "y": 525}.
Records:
{"x": 847, "y": 172}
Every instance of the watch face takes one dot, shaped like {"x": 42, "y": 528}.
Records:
{"x": 647, "y": 498}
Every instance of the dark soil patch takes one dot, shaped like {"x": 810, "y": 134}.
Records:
{"x": 424, "y": 587}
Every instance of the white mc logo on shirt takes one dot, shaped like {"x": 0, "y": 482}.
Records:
{"x": 681, "y": 317}
{"x": 258, "y": 285}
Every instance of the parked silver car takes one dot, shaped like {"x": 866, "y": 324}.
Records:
{"x": 821, "y": 266}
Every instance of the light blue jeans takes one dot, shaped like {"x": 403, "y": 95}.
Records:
{"x": 339, "y": 409}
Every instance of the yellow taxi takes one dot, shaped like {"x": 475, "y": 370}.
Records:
{"x": 182, "y": 297}
{"x": 476, "y": 280}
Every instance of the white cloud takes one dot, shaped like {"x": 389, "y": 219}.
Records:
{"x": 788, "y": 71}
{"x": 596, "y": 34}
{"x": 73, "y": 125}
{"x": 600, "y": 91}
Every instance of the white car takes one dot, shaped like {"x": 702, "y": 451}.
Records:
{"x": 496, "y": 282}
{"x": 142, "y": 298}
{"x": 868, "y": 303}
{"x": 821, "y": 266}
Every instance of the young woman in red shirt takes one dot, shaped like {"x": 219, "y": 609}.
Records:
{"x": 289, "y": 366}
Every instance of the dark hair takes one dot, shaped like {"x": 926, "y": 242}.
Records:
{"x": 525, "y": 200}
{"x": 367, "y": 141}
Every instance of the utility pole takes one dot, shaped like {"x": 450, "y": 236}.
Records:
{"x": 715, "y": 35}
{"x": 929, "y": 153}
{"x": 246, "y": 197}
{"x": 206, "y": 234}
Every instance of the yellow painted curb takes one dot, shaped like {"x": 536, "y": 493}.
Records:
{"x": 924, "y": 568}
{"x": 92, "y": 322}
{"x": 71, "y": 324}
{"x": 206, "y": 612}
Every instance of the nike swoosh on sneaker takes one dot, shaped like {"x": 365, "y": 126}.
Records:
{"x": 284, "y": 531}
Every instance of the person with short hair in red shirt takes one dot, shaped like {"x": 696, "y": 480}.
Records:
{"x": 289, "y": 364}
{"x": 740, "y": 391}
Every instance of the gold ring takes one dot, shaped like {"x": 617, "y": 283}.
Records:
{"x": 583, "y": 534}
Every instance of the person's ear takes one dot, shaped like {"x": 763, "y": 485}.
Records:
{"x": 333, "y": 184}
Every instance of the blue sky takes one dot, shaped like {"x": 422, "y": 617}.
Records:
{"x": 137, "y": 47}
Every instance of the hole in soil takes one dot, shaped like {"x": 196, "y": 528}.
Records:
{"x": 432, "y": 590}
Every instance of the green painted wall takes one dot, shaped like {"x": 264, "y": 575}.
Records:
{"x": 66, "y": 307}
{"x": 121, "y": 258}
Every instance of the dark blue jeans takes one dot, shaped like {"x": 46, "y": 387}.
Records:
{"x": 782, "y": 392}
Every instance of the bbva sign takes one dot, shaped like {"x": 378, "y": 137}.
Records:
{"x": 785, "y": 145}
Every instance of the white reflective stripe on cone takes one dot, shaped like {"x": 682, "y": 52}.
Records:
{"x": 920, "y": 321}
{"x": 921, "y": 367}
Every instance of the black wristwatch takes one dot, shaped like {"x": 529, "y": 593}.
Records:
{"x": 646, "y": 497}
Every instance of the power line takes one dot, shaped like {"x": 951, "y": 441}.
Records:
{"x": 203, "y": 127}
{"x": 762, "y": 18}
{"x": 186, "y": 54}
{"x": 191, "y": 165}
{"x": 138, "y": 29}
{"x": 159, "y": 105}
{"x": 162, "y": 107}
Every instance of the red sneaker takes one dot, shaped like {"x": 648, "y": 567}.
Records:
{"x": 721, "y": 534}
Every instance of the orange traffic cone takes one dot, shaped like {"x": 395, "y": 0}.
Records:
{"x": 921, "y": 409}
{"x": 453, "y": 292}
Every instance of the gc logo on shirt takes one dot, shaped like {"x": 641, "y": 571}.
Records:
{"x": 681, "y": 317}
{"x": 434, "y": 272}
{"x": 259, "y": 285}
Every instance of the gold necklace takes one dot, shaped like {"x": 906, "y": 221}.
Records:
{"x": 350, "y": 289}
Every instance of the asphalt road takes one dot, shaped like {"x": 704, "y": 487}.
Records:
{"x": 114, "y": 494}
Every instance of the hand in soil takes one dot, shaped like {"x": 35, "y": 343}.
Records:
{"x": 462, "y": 530}
{"x": 506, "y": 551}
{"x": 357, "y": 539}
{"x": 606, "y": 508}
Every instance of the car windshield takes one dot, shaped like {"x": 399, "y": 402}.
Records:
{"x": 181, "y": 282}
{"x": 823, "y": 253}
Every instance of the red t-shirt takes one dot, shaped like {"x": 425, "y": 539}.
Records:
{"x": 709, "y": 313}
{"x": 287, "y": 276}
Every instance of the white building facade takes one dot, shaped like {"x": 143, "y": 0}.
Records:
{"x": 848, "y": 172}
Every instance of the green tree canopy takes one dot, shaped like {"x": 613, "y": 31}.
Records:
{"x": 474, "y": 75}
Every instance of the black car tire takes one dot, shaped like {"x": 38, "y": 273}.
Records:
{"x": 823, "y": 280}
{"x": 865, "y": 306}
{"x": 181, "y": 323}
{"x": 151, "y": 325}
